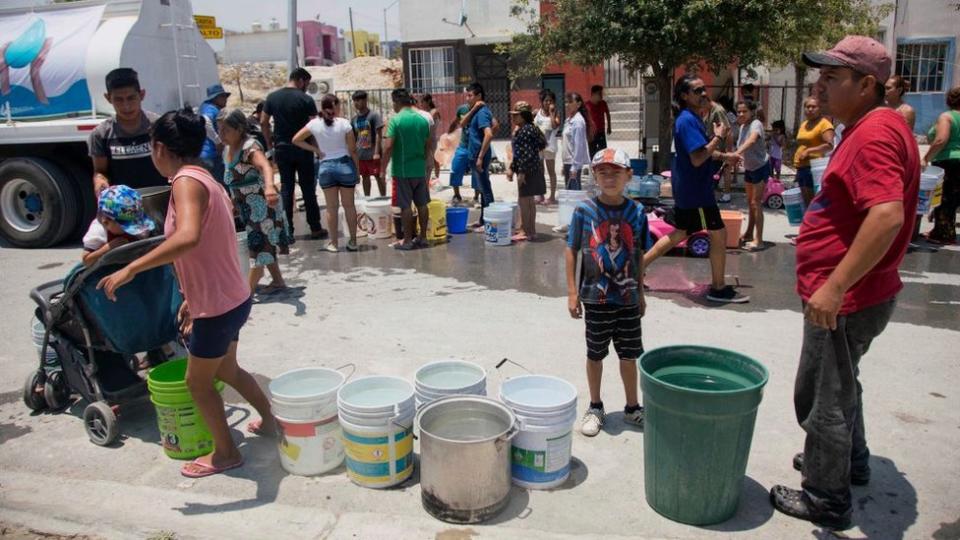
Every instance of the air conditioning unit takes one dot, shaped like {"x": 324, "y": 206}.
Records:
{"x": 319, "y": 88}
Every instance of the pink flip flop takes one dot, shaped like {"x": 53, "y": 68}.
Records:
{"x": 204, "y": 470}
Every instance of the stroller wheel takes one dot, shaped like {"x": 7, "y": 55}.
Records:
{"x": 101, "y": 423}
{"x": 55, "y": 391}
{"x": 31, "y": 397}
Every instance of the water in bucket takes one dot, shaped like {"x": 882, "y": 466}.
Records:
{"x": 376, "y": 415}
{"x": 547, "y": 409}
{"x": 793, "y": 204}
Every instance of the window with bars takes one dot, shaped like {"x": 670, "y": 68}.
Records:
{"x": 431, "y": 68}
{"x": 923, "y": 65}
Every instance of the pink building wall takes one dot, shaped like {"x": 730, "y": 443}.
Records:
{"x": 321, "y": 46}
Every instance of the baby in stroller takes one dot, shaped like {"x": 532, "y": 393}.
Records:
{"x": 120, "y": 220}
{"x": 97, "y": 340}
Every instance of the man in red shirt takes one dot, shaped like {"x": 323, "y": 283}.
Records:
{"x": 600, "y": 124}
{"x": 854, "y": 235}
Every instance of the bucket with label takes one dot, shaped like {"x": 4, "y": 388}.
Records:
{"x": 436, "y": 222}
{"x": 183, "y": 432}
{"x": 568, "y": 201}
{"x": 376, "y": 416}
{"x": 514, "y": 208}
{"x": 931, "y": 179}
{"x": 793, "y": 204}
{"x": 377, "y": 218}
{"x": 304, "y": 402}
{"x": 546, "y": 408}
{"x": 498, "y": 225}
{"x": 447, "y": 378}
{"x": 817, "y": 168}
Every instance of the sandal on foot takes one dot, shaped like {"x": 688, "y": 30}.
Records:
{"x": 255, "y": 427}
{"x": 198, "y": 469}
{"x": 520, "y": 237}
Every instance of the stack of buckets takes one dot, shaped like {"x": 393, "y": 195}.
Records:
{"x": 546, "y": 408}
{"x": 182, "y": 429}
{"x": 37, "y": 331}
{"x": 931, "y": 189}
{"x": 304, "y": 402}
{"x": 376, "y": 416}
{"x": 568, "y": 201}
{"x": 448, "y": 378}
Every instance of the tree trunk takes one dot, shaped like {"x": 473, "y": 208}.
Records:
{"x": 664, "y": 79}
{"x": 800, "y": 71}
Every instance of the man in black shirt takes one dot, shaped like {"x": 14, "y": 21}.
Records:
{"x": 291, "y": 108}
{"x": 120, "y": 145}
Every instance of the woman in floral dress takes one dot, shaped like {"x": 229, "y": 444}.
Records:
{"x": 249, "y": 177}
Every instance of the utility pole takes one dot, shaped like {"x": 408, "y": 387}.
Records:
{"x": 353, "y": 35}
{"x": 385, "y": 38}
{"x": 292, "y": 35}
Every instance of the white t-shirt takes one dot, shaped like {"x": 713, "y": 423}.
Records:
{"x": 545, "y": 123}
{"x": 96, "y": 236}
{"x": 332, "y": 140}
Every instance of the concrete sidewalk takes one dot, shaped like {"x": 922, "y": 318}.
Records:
{"x": 390, "y": 312}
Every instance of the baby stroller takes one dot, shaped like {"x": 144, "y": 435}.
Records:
{"x": 96, "y": 339}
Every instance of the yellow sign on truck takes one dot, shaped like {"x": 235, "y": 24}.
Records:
{"x": 205, "y": 21}
{"x": 211, "y": 33}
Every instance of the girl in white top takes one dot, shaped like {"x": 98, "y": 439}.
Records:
{"x": 337, "y": 173}
{"x": 548, "y": 120}
{"x": 576, "y": 153}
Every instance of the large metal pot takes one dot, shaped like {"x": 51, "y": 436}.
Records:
{"x": 155, "y": 200}
{"x": 465, "y": 457}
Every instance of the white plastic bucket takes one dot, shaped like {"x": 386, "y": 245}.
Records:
{"x": 498, "y": 226}
{"x": 931, "y": 180}
{"x": 446, "y": 378}
{"x": 568, "y": 201}
{"x": 376, "y": 416}
{"x": 37, "y": 331}
{"x": 379, "y": 218}
{"x": 513, "y": 207}
{"x": 243, "y": 253}
{"x": 305, "y": 404}
{"x": 817, "y": 167}
{"x": 546, "y": 408}
{"x": 793, "y": 204}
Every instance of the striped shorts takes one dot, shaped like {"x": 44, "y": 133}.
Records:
{"x": 620, "y": 324}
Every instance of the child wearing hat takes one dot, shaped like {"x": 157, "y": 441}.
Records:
{"x": 120, "y": 220}
{"x": 608, "y": 234}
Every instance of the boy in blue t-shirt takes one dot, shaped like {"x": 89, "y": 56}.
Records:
{"x": 610, "y": 234}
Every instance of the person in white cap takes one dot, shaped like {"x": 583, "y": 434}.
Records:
{"x": 853, "y": 237}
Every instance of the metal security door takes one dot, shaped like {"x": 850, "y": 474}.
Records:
{"x": 491, "y": 71}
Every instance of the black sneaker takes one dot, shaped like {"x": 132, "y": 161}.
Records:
{"x": 859, "y": 476}
{"x": 727, "y": 295}
{"x": 795, "y": 503}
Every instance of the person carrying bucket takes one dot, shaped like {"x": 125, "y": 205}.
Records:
{"x": 200, "y": 242}
{"x": 609, "y": 234}
{"x": 851, "y": 243}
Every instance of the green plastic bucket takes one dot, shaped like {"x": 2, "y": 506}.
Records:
{"x": 701, "y": 405}
{"x": 182, "y": 430}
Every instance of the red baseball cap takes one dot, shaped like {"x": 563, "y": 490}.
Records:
{"x": 860, "y": 53}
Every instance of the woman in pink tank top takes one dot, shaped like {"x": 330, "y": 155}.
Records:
{"x": 201, "y": 244}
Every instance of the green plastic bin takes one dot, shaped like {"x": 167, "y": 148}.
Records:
{"x": 183, "y": 432}
{"x": 701, "y": 405}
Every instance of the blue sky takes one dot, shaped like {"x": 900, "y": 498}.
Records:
{"x": 238, "y": 15}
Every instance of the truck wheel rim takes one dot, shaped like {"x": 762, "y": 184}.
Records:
{"x": 21, "y": 205}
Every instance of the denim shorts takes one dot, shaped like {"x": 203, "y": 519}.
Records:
{"x": 805, "y": 177}
{"x": 757, "y": 175}
{"x": 211, "y": 336}
{"x": 339, "y": 172}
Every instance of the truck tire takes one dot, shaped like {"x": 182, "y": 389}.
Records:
{"x": 38, "y": 203}
{"x": 86, "y": 200}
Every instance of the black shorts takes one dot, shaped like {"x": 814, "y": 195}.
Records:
{"x": 609, "y": 322}
{"x": 211, "y": 337}
{"x": 533, "y": 185}
{"x": 694, "y": 220}
{"x": 412, "y": 190}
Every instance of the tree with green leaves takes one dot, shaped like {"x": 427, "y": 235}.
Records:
{"x": 805, "y": 26}
{"x": 661, "y": 35}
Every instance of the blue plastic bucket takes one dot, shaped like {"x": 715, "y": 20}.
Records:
{"x": 793, "y": 204}
{"x": 639, "y": 166}
{"x": 457, "y": 220}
